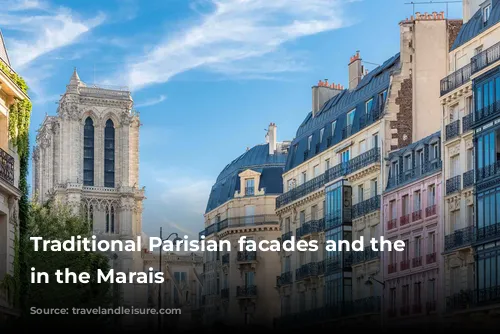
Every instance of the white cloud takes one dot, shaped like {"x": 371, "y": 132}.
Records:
{"x": 151, "y": 102}
{"x": 43, "y": 32}
{"x": 235, "y": 30}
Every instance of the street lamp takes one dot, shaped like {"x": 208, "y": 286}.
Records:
{"x": 369, "y": 282}
{"x": 176, "y": 239}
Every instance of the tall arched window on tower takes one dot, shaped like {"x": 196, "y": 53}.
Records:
{"x": 88, "y": 152}
{"x": 109, "y": 154}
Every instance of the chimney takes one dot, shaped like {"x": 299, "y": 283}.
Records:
{"x": 355, "y": 70}
{"x": 470, "y": 7}
{"x": 323, "y": 92}
{"x": 271, "y": 137}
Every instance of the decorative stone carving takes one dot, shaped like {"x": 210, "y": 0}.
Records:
{"x": 454, "y": 150}
{"x": 469, "y": 144}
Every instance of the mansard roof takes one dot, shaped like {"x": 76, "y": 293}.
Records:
{"x": 258, "y": 159}
{"x": 475, "y": 25}
{"x": 336, "y": 108}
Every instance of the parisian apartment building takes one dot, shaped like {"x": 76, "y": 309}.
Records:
{"x": 10, "y": 93}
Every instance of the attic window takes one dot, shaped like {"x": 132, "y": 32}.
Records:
{"x": 486, "y": 13}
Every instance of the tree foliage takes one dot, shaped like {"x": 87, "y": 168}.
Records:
{"x": 57, "y": 222}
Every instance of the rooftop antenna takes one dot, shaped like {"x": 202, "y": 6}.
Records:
{"x": 430, "y": 3}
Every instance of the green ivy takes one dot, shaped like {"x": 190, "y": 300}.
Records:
{"x": 19, "y": 123}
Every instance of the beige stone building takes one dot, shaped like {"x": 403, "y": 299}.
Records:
{"x": 87, "y": 156}
{"x": 9, "y": 179}
{"x": 335, "y": 172}
{"x": 238, "y": 285}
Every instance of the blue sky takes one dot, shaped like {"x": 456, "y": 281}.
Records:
{"x": 207, "y": 76}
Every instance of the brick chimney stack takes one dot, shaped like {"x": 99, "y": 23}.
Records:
{"x": 323, "y": 92}
{"x": 355, "y": 70}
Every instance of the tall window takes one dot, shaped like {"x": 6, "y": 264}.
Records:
{"x": 110, "y": 219}
{"x": 109, "y": 154}
{"x": 88, "y": 152}
{"x": 486, "y": 13}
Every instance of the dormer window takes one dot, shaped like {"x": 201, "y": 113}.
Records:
{"x": 368, "y": 106}
{"x": 486, "y": 13}
{"x": 350, "y": 118}
{"x": 435, "y": 151}
{"x": 334, "y": 123}
{"x": 407, "y": 163}
{"x": 321, "y": 133}
{"x": 381, "y": 99}
{"x": 249, "y": 187}
{"x": 309, "y": 141}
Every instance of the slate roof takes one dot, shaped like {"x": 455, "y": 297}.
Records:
{"x": 336, "y": 108}
{"x": 258, "y": 159}
{"x": 475, "y": 25}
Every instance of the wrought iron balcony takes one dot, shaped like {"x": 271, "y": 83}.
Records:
{"x": 485, "y": 114}
{"x": 286, "y": 236}
{"x": 467, "y": 122}
{"x": 341, "y": 262}
{"x": 239, "y": 222}
{"x": 430, "y": 258}
{"x": 392, "y": 268}
{"x": 460, "y": 238}
{"x": 309, "y": 270}
{"x": 371, "y": 117}
{"x": 368, "y": 254}
{"x": 456, "y": 79}
{"x": 485, "y": 58}
{"x": 416, "y": 262}
{"x": 416, "y": 215}
{"x": 365, "y": 207}
{"x": 361, "y": 161}
{"x": 487, "y": 232}
{"x": 453, "y": 184}
{"x": 413, "y": 174}
{"x": 468, "y": 178}
{"x": 6, "y": 167}
{"x": 430, "y": 210}
{"x": 284, "y": 279}
{"x": 225, "y": 259}
{"x": 310, "y": 227}
{"x": 249, "y": 191}
{"x": 404, "y": 220}
{"x": 249, "y": 291}
{"x": 405, "y": 264}
{"x": 392, "y": 224}
{"x": 488, "y": 171}
{"x": 246, "y": 256}
{"x": 224, "y": 293}
{"x": 453, "y": 129}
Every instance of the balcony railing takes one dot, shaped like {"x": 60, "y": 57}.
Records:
{"x": 312, "y": 269}
{"x": 430, "y": 258}
{"x": 473, "y": 298}
{"x": 286, "y": 236}
{"x": 371, "y": 117}
{"x": 239, "y": 222}
{"x": 367, "y": 254}
{"x": 6, "y": 167}
{"x": 224, "y": 293}
{"x": 249, "y": 191}
{"x": 416, "y": 262}
{"x": 453, "y": 184}
{"x": 249, "y": 291}
{"x": 456, "y": 79}
{"x": 344, "y": 260}
{"x": 347, "y": 131}
{"x": 310, "y": 227}
{"x": 468, "y": 178}
{"x": 467, "y": 122}
{"x": 488, "y": 171}
{"x": 416, "y": 215}
{"x": 413, "y": 174}
{"x": 284, "y": 279}
{"x": 365, "y": 207}
{"x": 405, "y": 264}
{"x": 487, "y": 232}
{"x": 392, "y": 268}
{"x": 404, "y": 220}
{"x": 225, "y": 259}
{"x": 460, "y": 238}
{"x": 485, "y": 58}
{"x": 486, "y": 113}
{"x": 342, "y": 169}
{"x": 453, "y": 129}
{"x": 392, "y": 224}
{"x": 430, "y": 210}
{"x": 246, "y": 256}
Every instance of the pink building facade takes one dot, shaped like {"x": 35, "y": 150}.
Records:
{"x": 411, "y": 208}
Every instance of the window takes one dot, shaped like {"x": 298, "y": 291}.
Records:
{"x": 375, "y": 140}
{"x": 344, "y": 156}
{"x": 431, "y": 193}
{"x": 417, "y": 293}
{"x": 407, "y": 162}
{"x": 381, "y": 99}
{"x": 477, "y": 50}
{"x": 470, "y": 215}
{"x": 374, "y": 187}
{"x": 321, "y": 133}
{"x": 350, "y": 118}
{"x": 417, "y": 201}
{"x": 392, "y": 299}
{"x": 431, "y": 243}
{"x": 287, "y": 224}
{"x": 421, "y": 160}
{"x": 109, "y": 154}
{"x": 249, "y": 215}
{"x": 431, "y": 291}
{"x": 314, "y": 212}
{"x": 470, "y": 159}
{"x": 291, "y": 184}
{"x": 249, "y": 278}
{"x": 435, "y": 151}
{"x": 486, "y": 13}
{"x": 406, "y": 251}
{"x": 360, "y": 193}
{"x": 418, "y": 247}
{"x": 455, "y": 220}
{"x": 468, "y": 105}
{"x": 110, "y": 219}
{"x": 309, "y": 141}
{"x": 302, "y": 217}
{"x": 316, "y": 170}
{"x": 249, "y": 187}
{"x": 362, "y": 146}
{"x": 304, "y": 177}
{"x": 405, "y": 209}
{"x": 88, "y": 152}
{"x": 455, "y": 165}
{"x": 334, "y": 123}
{"x": 405, "y": 297}
{"x": 393, "y": 209}
{"x": 368, "y": 106}
{"x": 395, "y": 170}
{"x": 327, "y": 164}
{"x": 454, "y": 113}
